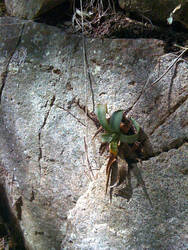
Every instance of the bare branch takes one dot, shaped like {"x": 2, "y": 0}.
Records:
{"x": 172, "y": 64}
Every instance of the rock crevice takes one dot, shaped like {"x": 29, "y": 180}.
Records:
{"x": 52, "y": 101}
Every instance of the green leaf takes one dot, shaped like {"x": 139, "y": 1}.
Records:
{"x": 108, "y": 137}
{"x": 114, "y": 147}
{"x": 131, "y": 138}
{"x": 101, "y": 115}
{"x": 128, "y": 138}
{"x": 113, "y": 135}
{"x": 136, "y": 125}
{"x": 115, "y": 120}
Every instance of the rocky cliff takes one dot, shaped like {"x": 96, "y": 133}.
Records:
{"x": 43, "y": 158}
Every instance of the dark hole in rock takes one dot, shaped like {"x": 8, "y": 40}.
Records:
{"x": 61, "y": 16}
{"x": 10, "y": 231}
{"x": 57, "y": 16}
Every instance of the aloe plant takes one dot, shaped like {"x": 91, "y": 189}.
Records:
{"x": 118, "y": 169}
{"x": 113, "y": 135}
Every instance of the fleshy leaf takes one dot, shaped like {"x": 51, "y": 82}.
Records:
{"x": 115, "y": 120}
{"x": 131, "y": 138}
{"x": 108, "y": 137}
{"x": 113, "y": 127}
{"x": 136, "y": 125}
{"x": 128, "y": 138}
{"x": 114, "y": 148}
{"x": 101, "y": 115}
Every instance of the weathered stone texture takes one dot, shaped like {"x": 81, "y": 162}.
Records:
{"x": 96, "y": 224}
{"x": 42, "y": 141}
{"x": 30, "y": 9}
{"x": 162, "y": 109}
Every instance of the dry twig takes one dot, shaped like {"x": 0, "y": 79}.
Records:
{"x": 171, "y": 65}
{"x": 71, "y": 114}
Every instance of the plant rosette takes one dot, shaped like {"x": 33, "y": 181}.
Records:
{"x": 113, "y": 134}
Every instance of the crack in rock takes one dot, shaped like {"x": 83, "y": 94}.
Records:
{"x": 179, "y": 144}
{"x": 6, "y": 70}
{"x": 171, "y": 111}
{"x": 41, "y": 128}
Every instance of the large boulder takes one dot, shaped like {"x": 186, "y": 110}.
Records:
{"x": 30, "y": 9}
{"x": 43, "y": 156}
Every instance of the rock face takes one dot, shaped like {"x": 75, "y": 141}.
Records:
{"x": 96, "y": 224}
{"x": 42, "y": 130}
{"x": 158, "y": 11}
{"x": 30, "y": 9}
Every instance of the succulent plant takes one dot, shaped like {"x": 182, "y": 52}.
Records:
{"x": 112, "y": 127}
{"x": 123, "y": 138}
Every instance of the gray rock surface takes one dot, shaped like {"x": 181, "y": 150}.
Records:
{"x": 42, "y": 153}
{"x": 30, "y": 9}
{"x": 96, "y": 224}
